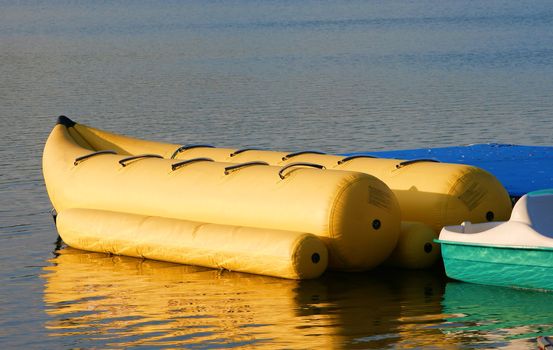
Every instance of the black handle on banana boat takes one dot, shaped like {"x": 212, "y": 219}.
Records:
{"x": 187, "y": 147}
{"x": 409, "y": 162}
{"x": 288, "y": 156}
{"x": 232, "y": 168}
{"x": 237, "y": 152}
{"x": 189, "y": 161}
{"x": 347, "y": 159}
{"x": 124, "y": 161}
{"x": 90, "y": 155}
{"x": 312, "y": 165}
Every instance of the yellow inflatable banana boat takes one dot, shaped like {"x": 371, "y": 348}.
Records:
{"x": 103, "y": 181}
{"x": 430, "y": 193}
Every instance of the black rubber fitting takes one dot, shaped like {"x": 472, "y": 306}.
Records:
{"x": 428, "y": 248}
{"x": 376, "y": 224}
{"x": 315, "y": 258}
{"x": 63, "y": 120}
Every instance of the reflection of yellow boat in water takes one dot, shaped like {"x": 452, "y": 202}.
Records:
{"x": 128, "y": 302}
{"x": 96, "y": 300}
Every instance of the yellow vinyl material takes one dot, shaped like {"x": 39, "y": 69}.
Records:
{"x": 356, "y": 215}
{"x": 436, "y": 194}
{"x": 275, "y": 253}
{"x": 416, "y": 248}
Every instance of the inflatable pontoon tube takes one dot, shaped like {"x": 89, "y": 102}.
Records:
{"x": 415, "y": 248}
{"x": 283, "y": 254}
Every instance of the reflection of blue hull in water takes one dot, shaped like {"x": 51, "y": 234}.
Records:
{"x": 515, "y": 253}
{"x": 493, "y": 313}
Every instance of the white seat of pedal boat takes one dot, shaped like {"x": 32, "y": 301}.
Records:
{"x": 530, "y": 225}
{"x": 536, "y": 210}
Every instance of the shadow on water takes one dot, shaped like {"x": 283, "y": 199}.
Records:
{"x": 96, "y": 300}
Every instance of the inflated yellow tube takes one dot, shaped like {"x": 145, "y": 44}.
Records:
{"x": 436, "y": 194}
{"x": 415, "y": 248}
{"x": 356, "y": 215}
{"x": 275, "y": 253}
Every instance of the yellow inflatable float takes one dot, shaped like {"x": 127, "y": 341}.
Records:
{"x": 284, "y": 254}
{"x": 103, "y": 182}
{"x": 415, "y": 247}
{"x": 430, "y": 193}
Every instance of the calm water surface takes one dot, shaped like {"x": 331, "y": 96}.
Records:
{"x": 337, "y": 76}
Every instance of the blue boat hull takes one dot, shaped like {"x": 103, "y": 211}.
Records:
{"x": 501, "y": 266}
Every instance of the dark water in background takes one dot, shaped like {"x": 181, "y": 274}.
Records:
{"x": 338, "y": 76}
